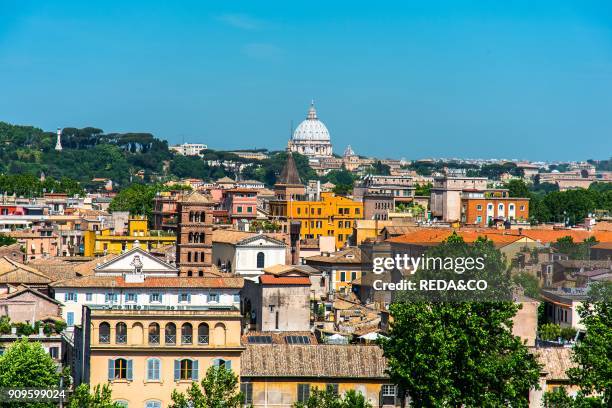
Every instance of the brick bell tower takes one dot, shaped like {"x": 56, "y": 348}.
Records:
{"x": 194, "y": 235}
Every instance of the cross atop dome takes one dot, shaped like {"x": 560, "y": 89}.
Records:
{"x": 312, "y": 111}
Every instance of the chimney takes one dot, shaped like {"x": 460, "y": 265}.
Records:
{"x": 520, "y": 231}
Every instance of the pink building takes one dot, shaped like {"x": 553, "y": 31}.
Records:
{"x": 240, "y": 204}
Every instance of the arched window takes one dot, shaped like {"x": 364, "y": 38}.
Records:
{"x": 122, "y": 403}
{"x": 154, "y": 333}
{"x": 186, "y": 333}
{"x": 104, "y": 333}
{"x": 219, "y": 362}
{"x": 170, "y": 337}
{"x": 260, "y": 259}
{"x": 188, "y": 256}
{"x": 203, "y": 333}
{"x": 190, "y": 216}
{"x": 121, "y": 333}
{"x": 191, "y": 237}
{"x": 153, "y": 369}
{"x": 153, "y": 404}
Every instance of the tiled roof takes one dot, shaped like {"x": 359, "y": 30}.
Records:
{"x": 284, "y": 280}
{"x": 233, "y": 237}
{"x": 434, "y": 236}
{"x": 61, "y": 269}
{"x": 152, "y": 282}
{"x": 280, "y": 269}
{"x": 314, "y": 361}
{"x": 555, "y": 361}
{"x": 15, "y": 272}
{"x": 349, "y": 255}
{"x": 575, "y": 263}
{"x": 551, "y": 236}
{"x": 603, "y": 245}
{"x": 196, "y": 197}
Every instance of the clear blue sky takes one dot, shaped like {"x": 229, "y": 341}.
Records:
{"x": 512, "y": 79}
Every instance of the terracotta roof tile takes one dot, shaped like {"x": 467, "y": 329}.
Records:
{"x": 315, "y": 361}
{"x": 152, "y": 282}
{"x": 284, "y": 280}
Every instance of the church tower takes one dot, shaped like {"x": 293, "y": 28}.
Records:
{"x": 288, "y": 186}
{"x": 58, "y": 144}
{"x": 194, "y": 235}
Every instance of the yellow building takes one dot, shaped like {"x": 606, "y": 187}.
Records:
{"x": 278, "y": 375}
{"x": 104, "y": 241}
{"x": 146, "y": 354}
{"x": 331, "y": 216}
{"x": 343, "y": 267}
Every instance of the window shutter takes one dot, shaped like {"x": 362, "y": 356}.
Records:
{"x": 177, "y": 370}
{"x": 189, "y": 297}
{"x": 228, "y": 365}
{"x": 111, "y": 369}
{"x": 66, "y": 297}
{"x": 129, "y": 369}
{"x": 216, "y": 362}
{"x": 194, "y": 370}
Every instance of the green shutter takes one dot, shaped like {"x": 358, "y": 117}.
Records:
{"x": 177, "y": 370}
{"x": 111, "y": 369}
{"x": 228, "y": 365}
{"x": 129, "y": 369}
{"x": 194, "y": 370}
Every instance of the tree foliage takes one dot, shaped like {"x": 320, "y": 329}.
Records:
{"x": 329, "y": 399}
{"x": 449, "y": 353}
{"x": 26, "y": 364}
{"x": 100, "y": 397}
{"x": 218, "y": 389}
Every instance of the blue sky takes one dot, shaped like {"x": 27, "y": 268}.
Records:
{"x": 409, "y": 79}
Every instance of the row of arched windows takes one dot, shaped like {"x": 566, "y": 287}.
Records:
{"x": 197, "y": 237}
{"x": 170, "y": 335}
{"x": 197, "y": 256}
{"x": 197, "y": 216}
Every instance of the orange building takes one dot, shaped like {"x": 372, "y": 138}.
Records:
{"x": 480, "y": 208}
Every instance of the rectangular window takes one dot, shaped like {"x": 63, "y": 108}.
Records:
{"x": 353, "y": 276}
{"x": 318, "y": 211}
{"x": 70, "y": 297}
{"x": 70, "y": 318}
{"x": 357, "y": 211}
{"x": 478, "y": 219}
{"x": 388, "y": 390}
{"x": 303, "y": 392}
{"x": 247, "y": 391}
{"x": 184, "y": 298}
{"x": 110, "y": 297}
{"x": 155, "y": 298}
{"x": 213, "y": 297}
{"x": 88, "y": 297}
{"x": 479, "y": 207}
{"x": 130, "y": 297}
{"x": 340, "y": 237}
{"x": 249, "y": 209}
{"x": 342, "y": 276}
{"x": 54, "y": 352}
{"x": 153, "y": 369}
{"x": 299, "y": 210}
{"x": 239, "y": 209}
{"x": 332, "y": 387}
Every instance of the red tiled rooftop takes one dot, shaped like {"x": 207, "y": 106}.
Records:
{"x": 283, "y": 280}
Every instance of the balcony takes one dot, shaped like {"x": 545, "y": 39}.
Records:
{"x": 203, "y": 339}
{"x": 121, "y": 339}
{"x": 153, "y": 338}
{"x": 186, "y": 339}
{"x": 170, "y": 339}
{"x": 105, "y": 339}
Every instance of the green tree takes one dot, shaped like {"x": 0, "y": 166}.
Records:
{"x": 593, "y": 373}
{"x": 26, "y": 364}
{"x": 6, "y": 240}
{"x": 329, "y": 399}
{"x": 518, "y": 188}
{"x": 218, "y": 389}
{"x": 550, "y": 332}
{"x": 529, "y": 283}
{"x": 423, "y": 189}
{"x": 451, "y": 353}
{"x": 100, "y": 397}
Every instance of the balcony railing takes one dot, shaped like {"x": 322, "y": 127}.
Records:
{"x": 170, "y": 339}
{"x": 203, "y": 339}
{"x": 153, "y": 338}
{"x": 104, "y": 338}
{"x": 121, "y": 339}
{"x": 186, "y": 339}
